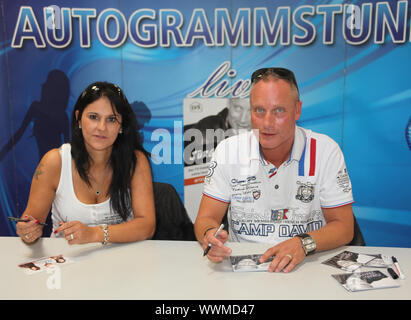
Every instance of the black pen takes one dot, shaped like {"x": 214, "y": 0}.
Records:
{"x": 210, "y": 244}
{"x": 24, "y": 220}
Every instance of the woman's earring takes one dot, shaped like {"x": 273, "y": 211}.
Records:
{"x": 79, "y": 126}
{"x": 121, "y": 131}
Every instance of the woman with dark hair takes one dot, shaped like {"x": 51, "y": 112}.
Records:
{"x": 99, "y": 186}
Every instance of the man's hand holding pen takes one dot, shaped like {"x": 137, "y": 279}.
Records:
{"x": 218, "y": 251}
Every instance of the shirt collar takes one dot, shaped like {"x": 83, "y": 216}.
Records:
{"x": 298, "y": 144}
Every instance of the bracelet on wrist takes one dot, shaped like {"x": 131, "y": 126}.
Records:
{"x": 106, "y": 238}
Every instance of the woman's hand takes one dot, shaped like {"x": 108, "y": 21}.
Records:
{"x": 76, "y": 232}
{"x": 29, "y": 231}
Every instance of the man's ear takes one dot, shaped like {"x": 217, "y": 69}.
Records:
{"x": 298, "y": 107}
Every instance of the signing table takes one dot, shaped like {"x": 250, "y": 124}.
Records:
{"x": 164, "y": 270}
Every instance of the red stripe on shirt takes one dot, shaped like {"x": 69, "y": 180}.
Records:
{"x": 313, "y": 150}
{"x": 272, "y": 174}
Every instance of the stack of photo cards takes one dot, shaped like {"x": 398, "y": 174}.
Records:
{"x": 44, "y": 264}
{"x": 249, "y": 263}
{"x": 356, "y": 280}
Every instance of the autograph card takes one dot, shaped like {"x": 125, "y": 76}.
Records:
{"x": 380, "y": 261}
{"x": 349, "y": 261}
{"x": 46, "y": 263}
{"x": 368, "y": 280}
{"x": 249, "y": 263}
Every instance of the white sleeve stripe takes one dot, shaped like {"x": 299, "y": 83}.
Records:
{"x": 338, "y": 205}
{"x": 216, "y": 198}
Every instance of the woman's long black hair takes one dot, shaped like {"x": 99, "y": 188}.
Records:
{"x": 123, "y": 159}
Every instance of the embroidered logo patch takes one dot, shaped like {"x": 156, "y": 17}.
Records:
{"x": 256, "y": 194}
{"x": 279, "y": 214}
{"x": 305, "y": 192}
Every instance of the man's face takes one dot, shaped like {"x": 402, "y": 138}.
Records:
{"x": 239, "y": 113}
{"x": 274, "y": 111}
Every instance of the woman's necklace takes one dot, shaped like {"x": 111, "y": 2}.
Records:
{"x": 98, "y": 185}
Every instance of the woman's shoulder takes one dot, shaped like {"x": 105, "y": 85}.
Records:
{"x": 141, "y": 156}
{"x": 52, "y": 160}
{"x": 49, "y": 169}
{"x": 142, "y": 163}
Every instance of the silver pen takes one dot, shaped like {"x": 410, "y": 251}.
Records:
{"x": 210, "y": 244}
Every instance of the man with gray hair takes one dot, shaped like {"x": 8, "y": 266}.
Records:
{"x": 297, "y": 196}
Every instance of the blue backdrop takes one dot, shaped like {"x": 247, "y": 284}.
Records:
{"x": 352, "y": 64}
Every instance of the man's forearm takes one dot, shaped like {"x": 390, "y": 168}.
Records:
{"x": 333, "y": 235}
{"x": 202, "y": 225}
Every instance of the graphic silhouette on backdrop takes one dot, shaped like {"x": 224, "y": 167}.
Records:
{"x": 143, "y": 115}
{"x": 50, "y": 121}
{"x": 49, "y": 118}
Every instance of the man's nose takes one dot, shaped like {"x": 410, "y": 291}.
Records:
{"x": 269, "y": 120}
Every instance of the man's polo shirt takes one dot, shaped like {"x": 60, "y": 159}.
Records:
{"x": 269, "y": 204}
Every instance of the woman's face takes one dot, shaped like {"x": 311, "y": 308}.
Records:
{"x": 100, "y": 124}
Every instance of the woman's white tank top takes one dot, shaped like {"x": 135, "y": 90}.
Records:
{"x": 66, "y": 207}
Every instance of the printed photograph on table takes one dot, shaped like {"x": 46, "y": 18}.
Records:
{"x": 380, "y": 261}
{"x": 349, "y": 261}
{"x": 368, "y": 280}
{"x": 44, "y": 264}
{"x": 249, "y": 263}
